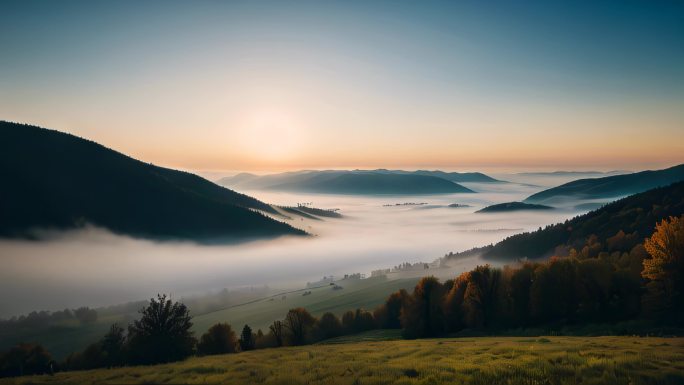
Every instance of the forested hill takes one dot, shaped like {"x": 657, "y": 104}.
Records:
{"x": 458, "y": 177}
{"x": 513, "y": 206}
{"x": 370, "y": 182}
{"x": 56, "y": 180}
{"x": 611, "y": 186}
{"x": 618, "y": 226}
{"x": 373, "y": 182}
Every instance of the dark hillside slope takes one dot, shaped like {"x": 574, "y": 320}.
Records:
{"x": 56, "y": 180}
{"x": 460, "y": 177}
{"x": 375, "y": 183}
{"x": 612, "y": 186}
{"x": 513, "y": 206}
{"x": 635, "y": 216}
{"x": 379, "y": 181}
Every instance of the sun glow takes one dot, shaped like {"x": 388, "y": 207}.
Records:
{"x": 270, "y": 135}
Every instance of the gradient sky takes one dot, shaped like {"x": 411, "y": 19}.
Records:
{"x": 207, "y": 85}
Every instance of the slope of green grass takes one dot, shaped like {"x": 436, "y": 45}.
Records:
{"x": 490, "y": 360}
{"x": 355, "y": 293}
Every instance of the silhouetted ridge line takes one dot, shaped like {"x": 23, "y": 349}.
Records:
{"x": 626, "y": 222}
{"x": 367, "y": 182}
{"x": 611, "y": 186}
{"x": 56, "y": 180}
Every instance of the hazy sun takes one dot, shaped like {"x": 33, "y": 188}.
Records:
{"x": 270, "y": 135}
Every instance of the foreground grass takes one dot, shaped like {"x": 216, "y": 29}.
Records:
{"x": 487, "y": 360}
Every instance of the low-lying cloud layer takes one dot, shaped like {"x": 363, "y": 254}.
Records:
{"x": 94, "y": 267}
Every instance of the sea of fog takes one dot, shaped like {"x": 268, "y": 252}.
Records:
{"x": 92, "y": 267}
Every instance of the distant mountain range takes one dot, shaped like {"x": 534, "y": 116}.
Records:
{"x": 459, "y": 177}
{"x": 575, "y": 173}
{"x": 615, "y": 227}
{"x": 371, "y": 182}
{"x": 513, "y": 206}
{"x": 610, "y": 186}
{"x": 55, "y": 180}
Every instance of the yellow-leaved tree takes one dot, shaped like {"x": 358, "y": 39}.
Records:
{"x": 665, "y": 269}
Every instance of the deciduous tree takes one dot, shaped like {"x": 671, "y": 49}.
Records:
{"x": 162, "y": 334}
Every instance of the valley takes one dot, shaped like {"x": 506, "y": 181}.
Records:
{"x": 341, "y": 192}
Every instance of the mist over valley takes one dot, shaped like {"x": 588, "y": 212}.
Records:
{"x": 94, "y": 267}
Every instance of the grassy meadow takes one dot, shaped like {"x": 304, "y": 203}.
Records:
{"x": 372, "y": 360}
{"x": 355, "y": 293}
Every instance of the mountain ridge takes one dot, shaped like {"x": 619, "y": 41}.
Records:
{"x": 378, "y": 181}
{"x": 513, "y": 206}
{"x": 626, "y": 222}
{"x": 611, "y": 186}
{"x": 58, "y": 180}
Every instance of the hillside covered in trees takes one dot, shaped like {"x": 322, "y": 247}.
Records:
{"x": 615, "y": 227}
{"x": 513, "y": 206}
{"x": 458, "y": 177}
{"x": 376, "y": 183}
{"x": 59, "y": 181}
{"x": 610, "y": 186}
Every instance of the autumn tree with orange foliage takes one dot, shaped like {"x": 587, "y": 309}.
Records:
{"x": 665, "y": 269}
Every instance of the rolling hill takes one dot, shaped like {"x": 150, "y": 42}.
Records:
{"x": 513, "y": 206}
{"x": 376, "y": 182}
{"x": 611, "y": 186}
{"x": 575, "y": 173}
{"x": 634, "y": 216}
{"x": 56, "y": 180}
{"x": 458, "y": 177}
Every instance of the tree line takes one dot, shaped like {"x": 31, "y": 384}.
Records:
{"x": 644, "y": 286}
{"x": 637, "y": 291}
{"x": 41, "y": 319}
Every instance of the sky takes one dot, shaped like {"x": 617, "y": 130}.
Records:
{"x": 261, "y": 85}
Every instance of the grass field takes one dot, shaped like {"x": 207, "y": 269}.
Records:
{"x": 356, "y": 293}
{"x": 486, "y": 360}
